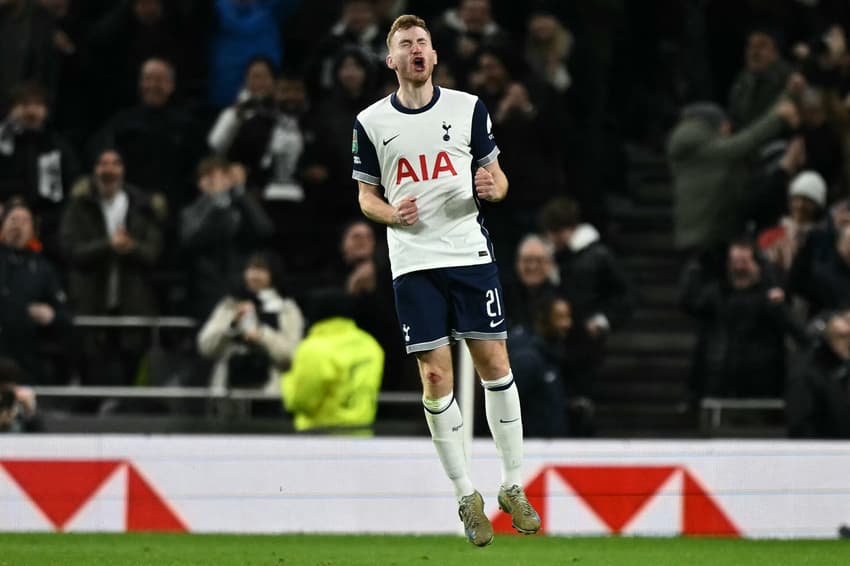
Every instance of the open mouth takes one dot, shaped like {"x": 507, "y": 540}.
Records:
{"x": 419, "y": 63}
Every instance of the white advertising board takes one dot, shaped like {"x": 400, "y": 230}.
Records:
{"x": 321, "y": 484}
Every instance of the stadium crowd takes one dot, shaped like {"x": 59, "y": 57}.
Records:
{"x": 191, "y": 158}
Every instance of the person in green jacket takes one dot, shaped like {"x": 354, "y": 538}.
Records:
{"x": 710, "y": 170}
{"x": 336, "y": 373}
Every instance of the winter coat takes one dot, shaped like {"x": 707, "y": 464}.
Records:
{"x": 26, "y": 278}
{"x": 741, "y": 350}
{"x": 335, "y": 377}
{"x": 87, "y": 246}
{"x": 709, "y": 177}
{"x": 818, "y": 396}
{"x": 217, "y": 234}
{"x": 593, "y": 279}
{"x": 245, "y": 30}
{"x": 819, "y": 275}
{"x": 281, "y": 327}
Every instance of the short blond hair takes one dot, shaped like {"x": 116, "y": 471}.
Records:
{"x": 406, "y": 21}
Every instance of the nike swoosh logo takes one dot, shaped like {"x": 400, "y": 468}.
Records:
{"x": 391, "y": 139}
{"x": 503, "y": 421}
{"x": 457, "y": 428}
{"x": 495, "y": 323}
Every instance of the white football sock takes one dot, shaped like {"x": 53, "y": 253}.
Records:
{"x": 501, "y": 402}
{"x": 446, "y": 425}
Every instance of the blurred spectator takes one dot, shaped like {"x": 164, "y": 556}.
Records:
{"x": 548, "y": 45}
{"x": 354, "y": 89}
{"x": 765, "y": 201}
{"x": 824, "y": 152}
{"x": 218, "y": 232}
{"x": 26, "y": 42}
{"x": 762, "y": 80}
{"x": 36, "y": 163}
{"x": 122, "y": 40}
{"x": 806, "y": 203}
{"x": 528, "y": 124}
{"x": 594, "y": 282}
{"x": 357, "y": 30}
{"x": 336, "y": 375}
{"x": 709, "y": 167}
{"x": 17, "y": 403}
{"x": 363, "y": 270}
{"x": 72, "y": 111}
{"x": 32, "y": 302}
{"x": 743, "y": 324}
{"x": 111, "y": 240}
{"x": 533, "y": 282}
{"x": 243, "y": 131}
{"x": 590, "y": 276}
{"x": 818, "y": 397}
{"x": 821, "y": 275}
{"x": 245, "y": 30}
{"x": 461, "y": 33}
{"x": 291, "y": 158}
{"x": 253, "y": 332}
{"x": 537, "y": 353}
{"x": 159, "y": 142}
{"x": 824, "y": 60}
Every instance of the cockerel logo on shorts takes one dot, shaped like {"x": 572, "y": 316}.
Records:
{"x": 406, "y": 329}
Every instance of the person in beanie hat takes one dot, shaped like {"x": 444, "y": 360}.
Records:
{"x": 806, "y": 204}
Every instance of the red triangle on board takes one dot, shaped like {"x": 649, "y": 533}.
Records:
{"x": 702, "y": 515}
{"x": 60, "y": 487}
{"x": 146, "y": 509}
{"x": 616, "y": 493}
{"x": 535, "y": 490}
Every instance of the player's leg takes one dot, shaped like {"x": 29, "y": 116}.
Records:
{"x": 443, "y": 416}
{"x": 501, "y": 403}
{"x": 480, "y": 319}
{"x": 423, "y": 311}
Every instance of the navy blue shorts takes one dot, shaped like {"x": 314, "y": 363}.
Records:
{"x": 435, "y": 306}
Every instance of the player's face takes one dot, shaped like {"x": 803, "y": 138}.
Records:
{"x": 412, "y": 56}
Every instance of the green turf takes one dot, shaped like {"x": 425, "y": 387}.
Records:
{"x": 289, "y": 550}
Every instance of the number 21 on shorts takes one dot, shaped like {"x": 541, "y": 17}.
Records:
{"x": 493, "y": 302}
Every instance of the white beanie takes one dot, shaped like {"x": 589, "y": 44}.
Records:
{"x": 811, "y": 185}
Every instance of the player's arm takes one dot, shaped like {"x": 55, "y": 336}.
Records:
{"x": 378, "y": 210}
{"x": 491, "y": 183}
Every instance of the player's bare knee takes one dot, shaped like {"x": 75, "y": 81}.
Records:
{"x": 434, "y": 378}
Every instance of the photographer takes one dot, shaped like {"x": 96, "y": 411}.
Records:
{"x": 253, "y": 332}
{"x": 242, "y": 131}
{"x": 17, "y": 404}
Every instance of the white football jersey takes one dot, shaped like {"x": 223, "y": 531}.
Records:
{"x": 430, "y": 153}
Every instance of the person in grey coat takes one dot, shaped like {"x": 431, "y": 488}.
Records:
{"x": 709, "y": 167}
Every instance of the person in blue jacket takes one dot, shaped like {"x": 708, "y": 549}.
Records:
{"x": 246, "y": 29}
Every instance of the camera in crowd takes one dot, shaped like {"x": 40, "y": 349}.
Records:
{"x": 254, "y": 107}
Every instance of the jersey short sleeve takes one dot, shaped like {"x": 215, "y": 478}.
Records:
{"x": 366, "y": 167}
{"x": 483, "y": 146}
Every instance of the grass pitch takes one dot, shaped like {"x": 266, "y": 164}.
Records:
{"x": 315, "y": 550}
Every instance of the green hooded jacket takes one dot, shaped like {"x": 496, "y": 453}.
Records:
{"x": 710, "y": 173}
